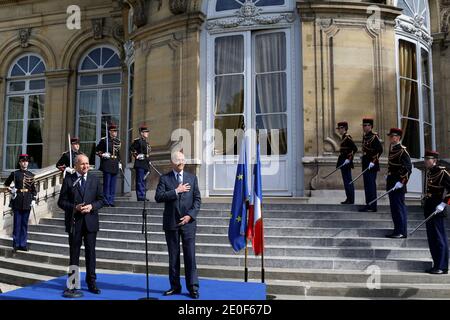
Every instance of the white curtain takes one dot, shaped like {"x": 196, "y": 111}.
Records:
{"x": 271, "y": 88}
{"x": 229, "y": 90}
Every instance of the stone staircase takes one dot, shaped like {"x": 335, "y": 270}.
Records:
{"x": 313, "y": 251}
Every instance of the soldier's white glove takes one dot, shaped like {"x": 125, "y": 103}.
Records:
{"x": 120, "y": 166}
{"x": 140, "y": 156}
{"x": 441, "y": 207}
{"x": 69, "y": 170}
{"x": 13, "y": 191}
{"x": 398, "y": 185}
{"x": 346, "y": 162}
{"x": 371, "y": 165}
{"x": 33, "y": 203}
{"x": 106, "y": 155}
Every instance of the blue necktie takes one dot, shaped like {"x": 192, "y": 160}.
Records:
{"x": 83, "y": 183}
{"x": 179, "y": 178}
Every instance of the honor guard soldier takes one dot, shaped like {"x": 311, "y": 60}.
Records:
{"x": 23, "y": 196}
{"x": 437, "y": 197}
{"x": 399, "y": 170}
{"x": 345, "y": 161}
{"x": 140, "y": 149}
{"x": 64, "y": 163}
{"x": 108, "y": 150}
{"x": 372, "y": 150}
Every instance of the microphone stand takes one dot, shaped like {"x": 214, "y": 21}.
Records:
{"x": 144, "y": 231}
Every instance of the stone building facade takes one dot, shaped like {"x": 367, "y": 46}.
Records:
{"x": 295, "y": 66}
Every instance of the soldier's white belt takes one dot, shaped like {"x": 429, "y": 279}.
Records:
{"x": 22, "y": 190}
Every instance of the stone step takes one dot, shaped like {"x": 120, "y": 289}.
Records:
{"x": 343, "y": 289}
{"x": 216, "y": 228}
{"x": 20, "y": 278}
{"x": 268, "y": 222}
{"x": 53, "y": 264}
{"x": 268, "y": 216}
{"x": 269, "y": 206}
{"x": 268, "y": 232}
{"x": 34, "y": 272}
{"x": 285, "y": 251}
{"x": 277, "y": 261}
{"x": 35, "y": 234}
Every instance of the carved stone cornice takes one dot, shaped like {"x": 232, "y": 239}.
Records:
{"x": 416, "y": 29}
{"x": 129, "y": 51}
{"x": 58, "y": 78}
{"x": 249, "y": 15}
{"x": 178, "y": 6}
{"x": 139, "y": 12}
{"x": 97, "y": 28}
{"x": 308, "y": 10}
{"x": 24, "y": 37}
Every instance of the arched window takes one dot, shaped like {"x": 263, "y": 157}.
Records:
{"x": 24, "y": 116}
{"x": 99, "y": 95}
{"x": 414, "y": 71}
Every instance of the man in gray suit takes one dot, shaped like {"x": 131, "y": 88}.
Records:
{"x": 181, "y": 196}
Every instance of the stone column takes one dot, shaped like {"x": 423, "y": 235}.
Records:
{"x": 57, "y": 118}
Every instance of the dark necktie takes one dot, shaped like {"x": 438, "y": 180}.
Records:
{"x": 83, "y": 183}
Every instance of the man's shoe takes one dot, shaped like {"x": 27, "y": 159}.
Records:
{"x": 171, "y": 292}
{"x": 345, "y": 202}
{"x": 112, "y": 205}
{"x": 194, "y": 294}
{"x": 438, "y": 271}
{"x": 371, "y": 210}
{"x": 396, "y": 236}
{"x": 93, "y": 289}
{"x": 72, "y": 293}
{"x": 364, "y": 209}
{"x": 23, "y": 248}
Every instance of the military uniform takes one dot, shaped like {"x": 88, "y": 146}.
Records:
{"x": 64, "y": 161}
{"x": 346, "y": 152}
{"x": 399, "y": 170}
{"x": 140, "y": 149}
{"x": 372, "y": 150}
{"x": 437, "y": 192}
{"x": 109, "y": 165}
{"x": 22, "y": 203}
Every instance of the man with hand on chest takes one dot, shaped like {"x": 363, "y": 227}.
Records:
{"x": 181, "y": 196}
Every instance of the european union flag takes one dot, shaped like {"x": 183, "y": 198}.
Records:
{"x": 238, "y": 219}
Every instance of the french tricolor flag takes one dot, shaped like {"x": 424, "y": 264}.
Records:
{"x": 255, "y": 231}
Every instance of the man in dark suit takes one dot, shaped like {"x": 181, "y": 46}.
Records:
{"x": 81, "y": 197}
{"x": 181, "y": 196}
